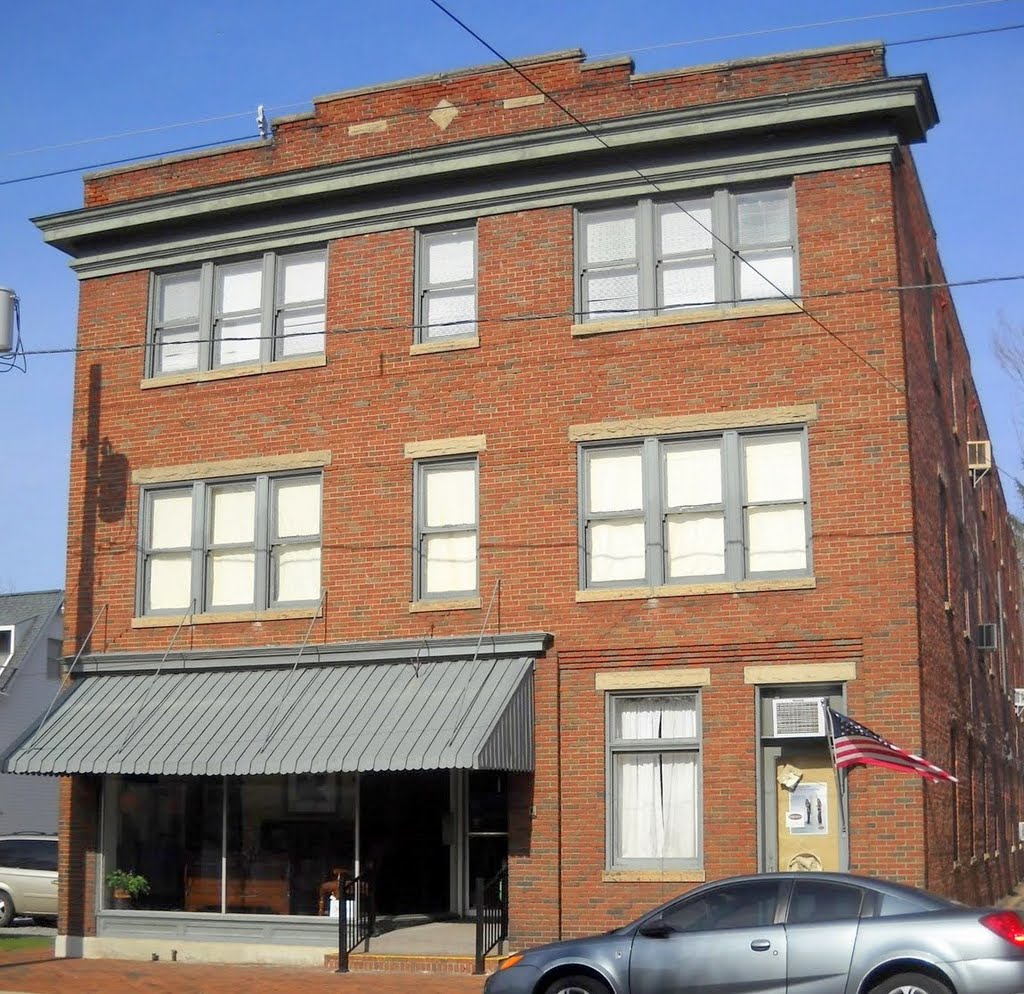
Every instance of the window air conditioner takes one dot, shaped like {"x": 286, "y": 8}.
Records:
{"x": 798, "y": 717}
{"x": 988, "y": 637}
{"x": 979, "y": 455}
{"x": 1018, "y": 700}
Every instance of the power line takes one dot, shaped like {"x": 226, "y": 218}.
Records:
{"x": 650, "y": 182}
{"x": 414, "y": 112}
{"x": 956, "y": 34}
{"x": 411, "y": 327}
{"x": 121, "y": 162}
{"x": 802, "y": 27}
{"x": 156, "y": 129}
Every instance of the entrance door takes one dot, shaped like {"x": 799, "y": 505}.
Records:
{"x": 486, "y": 827}
{"x": 402, "y": 822}
{"x": 807, "y": 806}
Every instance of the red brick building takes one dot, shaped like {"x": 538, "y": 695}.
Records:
{"x": 475, "y": 469}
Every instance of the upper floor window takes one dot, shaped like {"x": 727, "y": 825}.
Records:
{"x": 238, "y": 544}
{"x": 728, "y": 506}
{"x": 227, "y": 314}
{"x": 664, "y": 256}
{"x": 446, "y": 284}
{"x": 446, "y": 528}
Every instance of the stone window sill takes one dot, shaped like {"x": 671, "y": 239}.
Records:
{"x": 463, "y": 604}
{"x": 697, "y": 316}
{"x": 224, "y": 617}
{"x": 449, "y": 345}
{"x": 653, "y": 876}
{"x": 694, "y": 589}
{"x": 230, "y": 372}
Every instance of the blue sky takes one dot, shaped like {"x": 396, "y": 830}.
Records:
{"x": 179, "y": 75}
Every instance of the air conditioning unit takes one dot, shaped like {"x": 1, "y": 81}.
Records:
{"x": 798, "y": 717}
{"x": 988, "y": 637}
{"x": 1018, "y": 702}
{"x": 979, "y": 458}
{"x": 1020, "y": 831}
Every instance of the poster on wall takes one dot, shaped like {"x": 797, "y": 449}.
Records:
{"x": 808, "y": 809}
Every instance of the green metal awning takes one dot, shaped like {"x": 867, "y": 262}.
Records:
{"x": 434, "y": 714}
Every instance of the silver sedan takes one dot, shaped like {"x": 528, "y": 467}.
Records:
{"x": 786, "y": 933}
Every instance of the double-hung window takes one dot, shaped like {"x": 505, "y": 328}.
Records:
{"x": 239, "y": 544}
{"x": 661, "y": 256}
{"x": 446, "y": 285}
{"x": 726, "y": 506}
{"x": 654, "y": 776}
{"x": 221, "y": 315}
{"x": 446, "y": 529}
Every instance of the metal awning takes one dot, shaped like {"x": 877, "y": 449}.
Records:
{"x": 435, "y": 714}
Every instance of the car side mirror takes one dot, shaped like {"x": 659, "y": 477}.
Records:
{"x": 656, "y": 928}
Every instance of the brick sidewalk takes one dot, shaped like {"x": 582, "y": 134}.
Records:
{"x": 39, "y": 973}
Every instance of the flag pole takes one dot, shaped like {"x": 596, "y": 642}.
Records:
{"x": 841, "y": 793}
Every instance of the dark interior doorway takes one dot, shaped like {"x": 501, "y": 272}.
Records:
{"x": 402, "y": 819}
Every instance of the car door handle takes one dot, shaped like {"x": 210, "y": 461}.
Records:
{"x": 760, "y": 945}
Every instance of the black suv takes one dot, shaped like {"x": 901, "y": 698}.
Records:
{"x": 28, "y": 876}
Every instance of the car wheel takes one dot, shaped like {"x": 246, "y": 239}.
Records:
{"x": 6, "y": 909}
{"x": 910, "y": 983}
{"x": 577, "y": 985}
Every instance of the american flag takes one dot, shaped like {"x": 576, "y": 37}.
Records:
{"x": 857, "y": 745}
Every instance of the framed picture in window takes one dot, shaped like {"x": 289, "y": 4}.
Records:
{"x": 311, "y": 793}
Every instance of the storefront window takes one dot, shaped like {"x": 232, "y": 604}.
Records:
{"x": 285, "y": 836}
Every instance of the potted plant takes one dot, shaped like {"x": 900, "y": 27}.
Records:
{"x": 126, "y": 886}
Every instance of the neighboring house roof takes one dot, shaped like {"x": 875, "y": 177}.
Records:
{"x": 30, "y": 615}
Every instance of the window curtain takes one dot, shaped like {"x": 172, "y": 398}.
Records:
{"x": 616, "y": 545}
{"x": 777, "y": 530}
{"x": 695, "y": 538}
{"x": 232, "y": 577}
{"x": 656, "y": 792}
{"x": 169, "y": 580}
{"x": 450, "y": 556}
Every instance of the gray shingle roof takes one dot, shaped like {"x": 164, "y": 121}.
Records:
{"x": 30, "y": 614}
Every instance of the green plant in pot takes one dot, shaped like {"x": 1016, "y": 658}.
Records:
{"x": 126, "y": 886}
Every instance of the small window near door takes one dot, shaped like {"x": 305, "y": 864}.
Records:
{"x": 818, "y": 901}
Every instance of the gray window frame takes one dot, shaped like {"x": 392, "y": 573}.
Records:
{"x": 7, "y": 635}
{"x": 270, "y": 311}
{"x": 265, "y": 541}
{"x": 649, "y": 259}
{"x": 615, "y": 747}
{"x": 420, "y": 528}
{"x": 656, "y": 510}
{"x": 423, "y": 288}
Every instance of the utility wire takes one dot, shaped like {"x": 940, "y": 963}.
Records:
{"x": 650, "y": 182}
{"x": 121, "y": 162}
{"x": 156, "y": 129}
{"x": 409, "y": 327}
{"x": 415, "y": 112}
{"x": 761, "y": 32}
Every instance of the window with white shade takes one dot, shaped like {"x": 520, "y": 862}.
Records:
{"x": 726, "y": 506}
{"x": 654, "y": 780}
{"x": 446, "y": 285}
{"x": 232, "y": 545}
{"x": 221, "y": 315}
{"x": 446, "y": 529}
{"x": 660, "y": 256}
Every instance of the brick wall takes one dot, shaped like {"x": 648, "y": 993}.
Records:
{"x": 873, "y": 449}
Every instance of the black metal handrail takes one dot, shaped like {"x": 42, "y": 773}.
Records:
{"x": 355, "y": 929}
{"x": 491, "y": 914}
